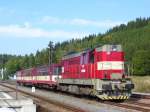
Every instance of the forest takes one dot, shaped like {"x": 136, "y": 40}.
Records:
{"x": 133, "y": 36}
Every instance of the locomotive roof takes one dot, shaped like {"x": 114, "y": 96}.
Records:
{"x": 74, "y": 54}
{"x": 106, "y": 47}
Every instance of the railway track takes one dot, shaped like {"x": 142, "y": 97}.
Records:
{"x": 140, "y": 95}
{"x": 133, "y": 106}
{"x": 134, "y": 103}
{"x": 43, "y": 103}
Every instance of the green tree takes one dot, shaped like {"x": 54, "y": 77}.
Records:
{"x": 31, "y": 60}
{"x": 12, "y": 66}
{"x": 141, "y": 62}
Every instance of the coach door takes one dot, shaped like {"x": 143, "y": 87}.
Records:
{"x": 56, "y": 73}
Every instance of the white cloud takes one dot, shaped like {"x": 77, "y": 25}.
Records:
{"x": 104, "y": 24}
{"x": 81, "y": 22}
{"x": 26, "y": 31}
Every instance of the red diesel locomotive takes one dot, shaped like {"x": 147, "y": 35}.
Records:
{"x": 98, "y": 72}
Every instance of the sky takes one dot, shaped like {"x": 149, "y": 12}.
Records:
{"x": 28, "y": 25}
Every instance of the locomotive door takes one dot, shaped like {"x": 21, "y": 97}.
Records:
{"x": 84, "y": 65}
{"x": 92, "y": 65}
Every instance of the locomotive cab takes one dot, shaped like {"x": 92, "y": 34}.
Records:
{"x": 110, "y": 61}
{"x": 110, "y": 66}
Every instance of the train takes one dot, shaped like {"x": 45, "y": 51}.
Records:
{"x": 98, "y": 72}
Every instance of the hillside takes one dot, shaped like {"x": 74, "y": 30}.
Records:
{"x": 134, "y": 37}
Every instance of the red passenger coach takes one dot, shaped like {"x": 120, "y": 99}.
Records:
{"x": 42, "y": 75}
{"x": 25, "y": 76}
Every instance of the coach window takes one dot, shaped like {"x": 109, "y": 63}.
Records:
{"x": 55, "y": 71}
{"x": 59, "y": 70}
{"x": 27, "y": 73}
{"x": 44, "y": 73}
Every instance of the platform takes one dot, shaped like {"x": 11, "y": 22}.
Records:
{"x": 9, "y": 103}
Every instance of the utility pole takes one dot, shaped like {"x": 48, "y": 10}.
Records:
{"x": 2, "y": 70}
{"x": 2, "y": 73}
{"x": 50, "y": 45}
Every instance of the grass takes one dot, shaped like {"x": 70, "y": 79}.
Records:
{"x": 142, "y": 84}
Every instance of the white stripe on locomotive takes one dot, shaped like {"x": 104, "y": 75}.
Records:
{"x": 110, "y": 65}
